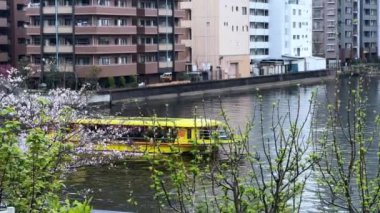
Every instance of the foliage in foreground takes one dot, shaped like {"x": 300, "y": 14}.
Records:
{"x": 32, "y": 160}
{"x": 244, "y": 180}
{"x": 341, "y": 158}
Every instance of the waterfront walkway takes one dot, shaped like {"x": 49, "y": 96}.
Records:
{"x": 213, "y": 87}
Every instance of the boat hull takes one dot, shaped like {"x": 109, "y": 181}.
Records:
{"x": 161, "y": 148}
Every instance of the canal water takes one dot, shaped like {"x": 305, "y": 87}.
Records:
{"x": 111, "y": 187}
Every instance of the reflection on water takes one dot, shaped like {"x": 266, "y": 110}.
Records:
{"x": 112, "y": 186}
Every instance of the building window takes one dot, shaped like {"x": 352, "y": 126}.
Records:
{"x": 348, "y": 34}
{"x": 20, "y": 24}
{"x": 259, "y": 51}
{"x": 104, "y": 41}
{"x": 104, "y": 22}
{"x": 259, "y": 12}
{"x": 348, "y": 10}
{"x": 259, "y": 25}
{"x": 82, "y": 41}
{"x": 83, "y": 60}
{"x": 21, "y": 40}
{"x": 20, "y": 7}
{"x": 105, "y": 60}
{"x": 104, "y": 2}
{"x": 244, "y": 10}
{"x": 259, "y": 38}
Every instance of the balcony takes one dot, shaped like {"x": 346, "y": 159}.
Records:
{"x": 147, "y": 68}
{"x": 145, "y": 12}
{"x": 165, "y": 12}
{"x": 179, "y": 13}
{"x": 112, "y": 11}
{"x": 49, "y": 10}
{"x": 165, "y": 64}
{"x": 33, "y": 30}
{"x": 180, "y": 47}
{"x": 105, "y": 30}
{"x": 61, "y": 68}
{"x": 49, "y": 29}
{"x": 33, "y": 49}
{"x": 187, "y": 42}
{"x": 61, "y": 49}
{"x": 4, "y": 57}
{"x": 180, "y": 30}
{"x": 147, "y": 48}
{"x": 186, "y": 5}
{"x": 147, "y": 30}
{"x": 165, "y": 47}
{"x": 32, "y": 11}
{"x": 3, "y": 5}
{"x": 105, "y": 49}
{"x": 164, "y": 29}
{"x": 84, "y": 71}
{"x": 185, "y": 23}
{"x": 4, "y": 39}
{"x": 3, "y": 22}
{"x": 317, "y": 4}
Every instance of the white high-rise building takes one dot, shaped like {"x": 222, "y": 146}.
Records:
{"x": 280, "y": 28}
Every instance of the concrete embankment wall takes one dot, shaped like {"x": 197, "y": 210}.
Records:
{"x": 230, "y": 85}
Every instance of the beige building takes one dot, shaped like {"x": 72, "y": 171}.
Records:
{"x": 219, "y": 39}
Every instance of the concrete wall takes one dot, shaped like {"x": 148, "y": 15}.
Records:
{"x": 277, "y": 29}
{"x": 233, "y": 30}
{"x": 125, "y": 94}
{"x": 220, "y": 37}
{"x": 227, "y": 62}
{"x": 300, "y": 15}
{"x": 205, "y": 32}
{"x": 314, "y": 63}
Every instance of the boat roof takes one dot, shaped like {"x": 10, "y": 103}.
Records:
{"x": 151, "y": 121}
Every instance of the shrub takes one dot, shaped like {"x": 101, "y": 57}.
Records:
{"x": 111, "y": 82}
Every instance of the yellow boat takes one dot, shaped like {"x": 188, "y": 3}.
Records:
{"x": 156, "y": 135}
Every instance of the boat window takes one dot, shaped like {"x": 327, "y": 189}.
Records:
{"x": 141, "y": 133}
{"x": 204, "y": 133}
{"x": 162, "y": 134}
{"x": 222, "y": 133}
{"x": 188, "y": 133}
{"x": 133, "y": 132}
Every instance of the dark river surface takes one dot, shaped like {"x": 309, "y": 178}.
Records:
{"x": 111, "y": 187}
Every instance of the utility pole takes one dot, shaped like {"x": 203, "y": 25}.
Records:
{"x": 56, "y": 36}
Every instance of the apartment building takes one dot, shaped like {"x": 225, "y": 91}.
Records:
{"x": 18, "y": 21}
{"x": 218, "y": 41}
{"x": 325, "y": 30}
{"x": 4, "y": 36}
{"x": 12, "y": 31}
{"x": 280, "y": 28}
{"x": 259, "y": 29}
{"x": 280, "y": 36}
{"x": 121, "y": 37}
{"x": 357, "y": 26}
